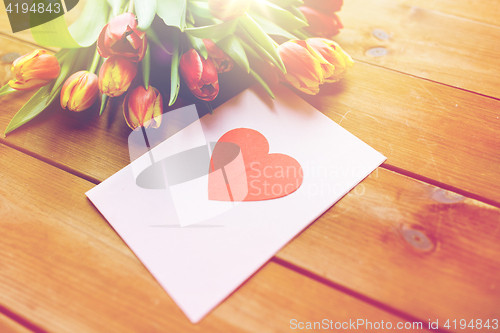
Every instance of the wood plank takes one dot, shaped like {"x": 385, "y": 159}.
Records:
{"x": 7, "y": 325}
{"x": 409, "y": 245}
{"x": 438, "y": 132}
{"x": 65, "y": 269}
{"x": 483, "y": 11}
{"x": 429, "y": 44}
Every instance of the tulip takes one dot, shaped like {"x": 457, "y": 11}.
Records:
{"x": 223, "y": 63}
{"x": 143, "y": 108}
{"x": 79, "y": 91}
{"x": 200, "y": 75}
{"x": 226, "y": 10}
{"x": 334, "y": 54}
{"x": 326, "y": 6}
{"x": 320, "y": 24}
{"x": 121, "y": 37}
{"x": 34, "y": 70}
{"x": 305, "y": 68}
{"x": 116, "y": 75}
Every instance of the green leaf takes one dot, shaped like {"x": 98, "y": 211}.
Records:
{"x": 235, "y": 50}
{"x": 198, "y": 45}
{"x": 146, "y": 11}
{"x": 249, "y": 50}
{"x": 175, "y": 81}
{"x": 278, "y": 15}
{"x": 297, "y": 13}
{"x": 82, "y": 33}
{"x": 172, "y": 12}
{"x": 200, "y": 9}
{"x": 262, "y": 83}
{"x": 30, "y": 110}
{"x": 6, "y": 90}
{"x": 216, "y": 31}
{"x": 261, "y": 40}
{"x": 271, "y": 28}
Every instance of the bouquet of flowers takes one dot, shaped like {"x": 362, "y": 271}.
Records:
{"x": 190, "y": 42}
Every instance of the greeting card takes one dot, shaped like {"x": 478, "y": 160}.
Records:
{"x": 204, "y": 209}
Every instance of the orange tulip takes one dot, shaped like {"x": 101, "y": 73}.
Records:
{"x": 333, "y": 53}
{"x": 223, "y": 63}
{"x": 305, "y": 67}
{"x": 200, "y": 75}
{"x": 34, "y": 70}
{"x": 121, "y": 37}
{"x": 116, "y": 75}
{"x": 313, "y": 62}
{"x": 79, "y": 91}
{"x": 320, "y": 24}
{"x": 328, "y": 6}
{"x": 143, "y": 108}
{"x": 226, "y": 10}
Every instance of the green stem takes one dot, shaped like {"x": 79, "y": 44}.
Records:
{"x": 130, "y": 6}
{"x": 300, "y": 34}
{"x": 95, "y": 61}
{"x": 146, "y": 68}
{"x": 104, "y": 101}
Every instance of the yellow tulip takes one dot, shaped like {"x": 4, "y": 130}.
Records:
{"x": 334, "y": 54}
{"x": 79, "y": 91}
{"x": 116, "y": 75}
{"x": 34, "y": 70}
{"x": 143, "y": 108}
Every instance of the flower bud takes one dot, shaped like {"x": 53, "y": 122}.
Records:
{"x": 333, "y": 53}
{"x": 79, "y": 91}
{"x": 121, "y": 37}
{"x": 226, "y": 10}
{"x": 325, "y": 6}
{"x": 200, "y": 75}
{"x": 305, "y": 67}
{"x": 223, "y": 63}
{"x": 116, "y": 75}
{"x": 320, "y": 24}
{"x": 34, "y": 70}
{"x": 143, "y": 108}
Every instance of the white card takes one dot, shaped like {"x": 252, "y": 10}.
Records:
{"x": 200, "y": 249}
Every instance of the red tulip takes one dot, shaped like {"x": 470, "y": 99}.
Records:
{"x": 79, "y": 91}
{"x": 34, "y": 70}
{"x": 143, "y": 108}
{"x": 320, "y": 24}
{"x": 223, "y": 63}
{"x": 226, "y": 10}
{"x": 121, "y": 37}
{"x": 326, "y": 6}
{"x": 200, "y": 75}
{"x": 116, "y": 75}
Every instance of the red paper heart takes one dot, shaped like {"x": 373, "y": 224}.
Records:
{"x": 268, "y": 176}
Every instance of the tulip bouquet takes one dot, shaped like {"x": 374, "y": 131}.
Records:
{"x": 112, "y": 48}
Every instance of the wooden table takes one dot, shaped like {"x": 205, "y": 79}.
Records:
{"x": 418, "y": 240}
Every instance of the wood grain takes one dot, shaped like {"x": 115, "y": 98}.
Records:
{"x": 484, "y": 11}
{"x": 409, "y": 245}
{"x": 429, "y": 44}
{"x": 65, "y": 269}
{"x": 7, "y": 325}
